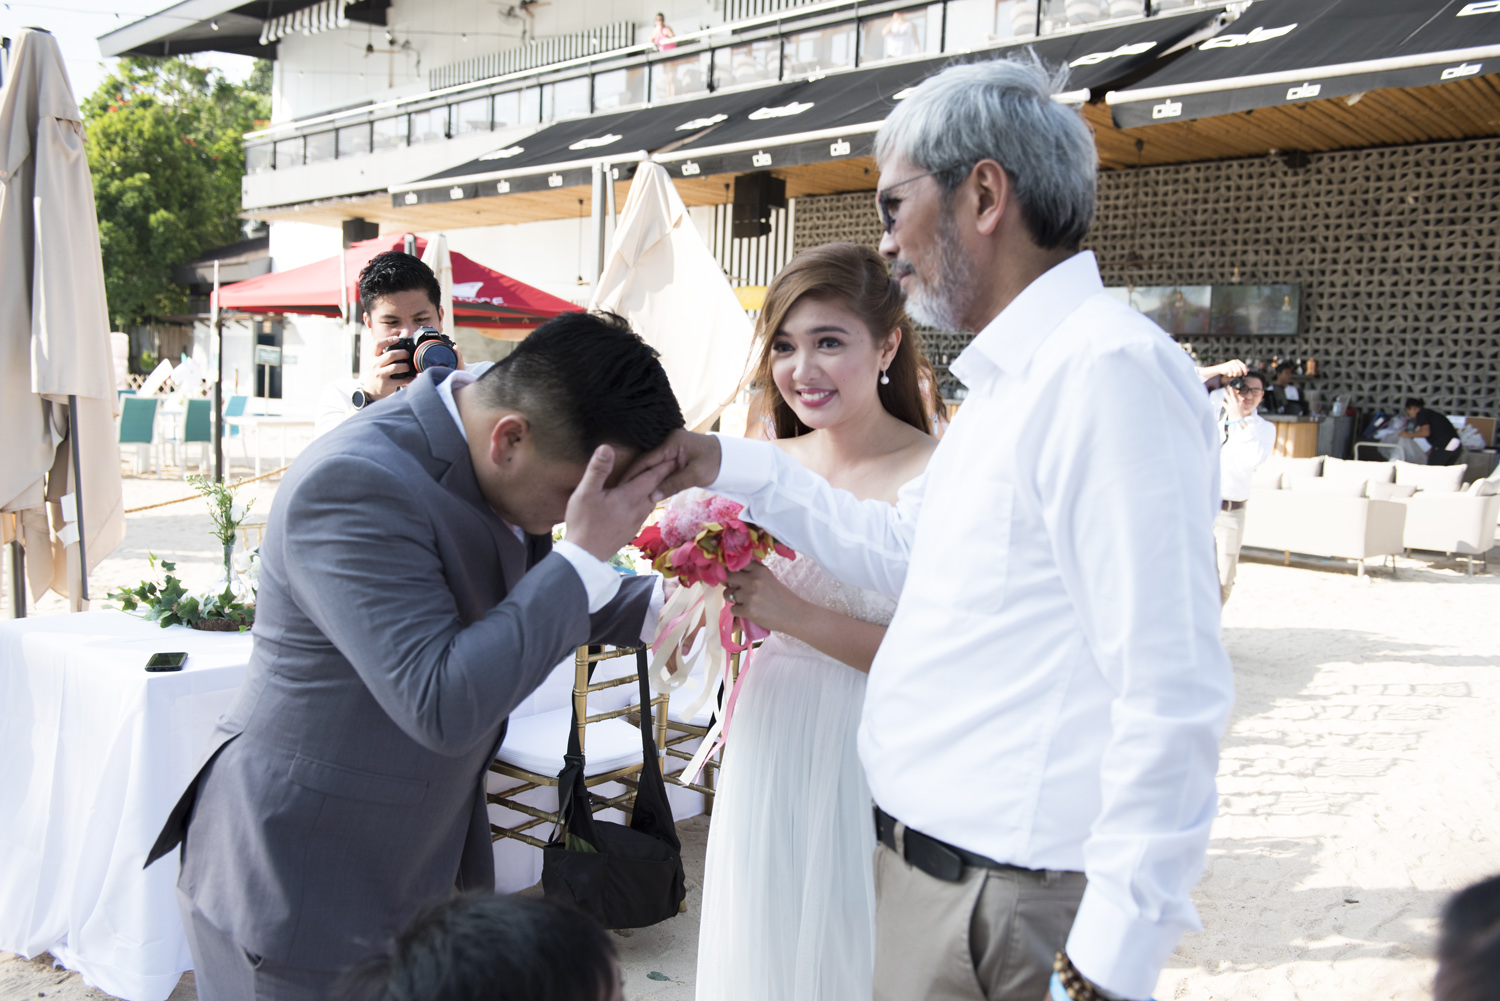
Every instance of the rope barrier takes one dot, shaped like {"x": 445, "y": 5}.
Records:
{"x": 233, "y": 486}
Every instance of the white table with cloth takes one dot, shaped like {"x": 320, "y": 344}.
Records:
{"x": 95, "y": 751}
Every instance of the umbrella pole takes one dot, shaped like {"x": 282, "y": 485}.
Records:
{"x": 218, "y": 324}
{"x": 18, "y": 577}
{"x": 83, "y": 563}
{"x": 597, "y": 213}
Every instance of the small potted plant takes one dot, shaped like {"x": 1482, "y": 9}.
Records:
{"x": 229, "y": 604}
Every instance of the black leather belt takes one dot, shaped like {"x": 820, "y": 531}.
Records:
{"x": 1231, "y": 505}
{"x": 936, "y": 858}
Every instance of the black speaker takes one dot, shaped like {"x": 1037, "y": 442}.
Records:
{"x": 359, "y": 229}
{"x": 755, "y": 195}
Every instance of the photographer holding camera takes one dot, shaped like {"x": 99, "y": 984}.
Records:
{"x": 1246, "y": 441}
{"x": 400, "y": 296}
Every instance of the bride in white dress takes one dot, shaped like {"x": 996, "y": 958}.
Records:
{"x": 788, "y": 890}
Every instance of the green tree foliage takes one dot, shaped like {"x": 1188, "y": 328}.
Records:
{"x": 166, "y": 154}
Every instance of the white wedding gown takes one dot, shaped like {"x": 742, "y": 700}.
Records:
{"x": 788, "y": 886}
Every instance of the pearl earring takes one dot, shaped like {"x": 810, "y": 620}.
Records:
{"x": 885, "y": 380}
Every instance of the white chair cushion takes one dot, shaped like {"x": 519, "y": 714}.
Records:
{"x": 1390, "y": 491}
{"x": 1266, "y": 477}
{"x": 1349, "y": 469}
{"x": 1484, "y": 488}
{"x": 1312, "y": 466}
{"x": 677, "y": 706}
{"x": 1320, "y": 485}
{"x": 1280, "y": 464}
{"x": 1431, "y": 479}
{"x": 538, "y": 743}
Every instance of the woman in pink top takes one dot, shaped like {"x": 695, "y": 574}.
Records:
{"x": 662, "y": 35}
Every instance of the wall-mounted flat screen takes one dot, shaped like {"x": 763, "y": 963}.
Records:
{"x": 1255, "y": 309}
{"x": 1177, "y": 309}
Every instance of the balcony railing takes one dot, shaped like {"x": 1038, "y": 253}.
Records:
{"x": 542, "y": 52}
{"x": 797, "y": 42}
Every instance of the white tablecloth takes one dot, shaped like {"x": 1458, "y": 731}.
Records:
{"x": 95, "y": 751}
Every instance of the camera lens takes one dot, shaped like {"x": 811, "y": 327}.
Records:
{"x": 433, "y": 353}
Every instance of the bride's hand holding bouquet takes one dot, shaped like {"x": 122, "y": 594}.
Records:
{"x": 700, "y": 540}
{"x": 758, "y": 597}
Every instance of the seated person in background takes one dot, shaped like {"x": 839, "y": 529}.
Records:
{"x": 1468, "y": 951}
{"x": 1247, "y": 440}
{"x": 483, "y": 947}
{"x": 1283, "y": 397}
{"x": 399, "y": 294}
{"x": 1437, "y": 430}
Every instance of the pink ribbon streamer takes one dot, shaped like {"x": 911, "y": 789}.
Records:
{"x": 752, "y": 634}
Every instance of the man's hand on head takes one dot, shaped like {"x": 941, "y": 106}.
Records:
{"x": 602, "y": 519}
{"x": 692, "y": 460}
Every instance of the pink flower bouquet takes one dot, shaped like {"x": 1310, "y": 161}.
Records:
{"x": 699, "y": 540}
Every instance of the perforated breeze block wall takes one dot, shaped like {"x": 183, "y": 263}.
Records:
{"x": 1396, "y": 251}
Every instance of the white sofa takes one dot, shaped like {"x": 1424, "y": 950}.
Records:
{"x": 1314, "y": 506}
{"x": 1342, "y": 527}
{"x": 1460, "y": 522}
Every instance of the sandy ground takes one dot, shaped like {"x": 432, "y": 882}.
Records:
{"x": 1360, "y": 779}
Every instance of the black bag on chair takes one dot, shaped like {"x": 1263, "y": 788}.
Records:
{"x": 633, "y": 876}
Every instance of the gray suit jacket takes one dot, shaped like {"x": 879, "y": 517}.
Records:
{"x": 398, "y": 622}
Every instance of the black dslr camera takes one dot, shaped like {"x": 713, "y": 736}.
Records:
{"x": 1239, "y": 386}
{"x": 429, "y": 348}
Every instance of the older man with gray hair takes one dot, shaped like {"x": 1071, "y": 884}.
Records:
{"x": 1041, "y": 725}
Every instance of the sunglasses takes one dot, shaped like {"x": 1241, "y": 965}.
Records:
{"x": 887, "y": 204}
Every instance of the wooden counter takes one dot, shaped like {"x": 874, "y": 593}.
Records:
{"x": 1296, "y": 439}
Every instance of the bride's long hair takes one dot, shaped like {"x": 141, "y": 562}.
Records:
{"x": 856, "y": 277}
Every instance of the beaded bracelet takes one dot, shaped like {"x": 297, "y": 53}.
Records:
{"x": 1074, "y": 985}
{"x": 1068, "y": 984}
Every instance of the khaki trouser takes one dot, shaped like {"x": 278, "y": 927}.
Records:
{"x": 1229, "y": 532}
{"x": 989, "y": 937}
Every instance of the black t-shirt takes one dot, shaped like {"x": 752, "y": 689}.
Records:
{"x": 1440, "y": 430}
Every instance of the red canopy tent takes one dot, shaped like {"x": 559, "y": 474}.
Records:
{"x": 481, "y": 297}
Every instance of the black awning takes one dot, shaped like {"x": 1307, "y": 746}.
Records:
{"x": 1290, "y": 51}
{"x": 832, "y": 117}
{"x": 563, "y": 154}
{"x": 233, "y": 26}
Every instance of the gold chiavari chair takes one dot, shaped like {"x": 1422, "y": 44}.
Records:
{"x": 688, "y": 730}
{"x": 252, "y": 535}
{"x": 534, "y": 746}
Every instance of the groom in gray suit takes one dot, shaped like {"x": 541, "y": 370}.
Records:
{"x": 410, "y": 598}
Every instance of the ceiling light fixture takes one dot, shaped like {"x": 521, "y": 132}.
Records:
{"x": 214, "y": 25}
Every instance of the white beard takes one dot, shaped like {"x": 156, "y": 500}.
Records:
{"x": 944, "y": 302}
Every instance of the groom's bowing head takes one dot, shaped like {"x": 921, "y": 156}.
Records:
{"x": 577, "y": 382}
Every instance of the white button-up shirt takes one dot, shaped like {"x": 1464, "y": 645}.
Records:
{"x": 1052, "y": 689}
{"x": 1248, "y": 442}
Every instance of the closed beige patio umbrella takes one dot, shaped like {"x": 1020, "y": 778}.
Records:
{"x": 57, "y": 386}
{"x": 662, "y": 277}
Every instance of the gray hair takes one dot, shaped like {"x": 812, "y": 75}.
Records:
{"x": 1002, "y": 110}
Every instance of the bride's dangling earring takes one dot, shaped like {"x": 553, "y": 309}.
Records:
{"x": 885, "y": 380}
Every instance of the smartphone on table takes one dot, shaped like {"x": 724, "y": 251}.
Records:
{"x": 166, "y": 661}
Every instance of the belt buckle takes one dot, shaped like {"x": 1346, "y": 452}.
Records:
{"x": 933, "y": 857}
{"x": 917, "y": 849}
